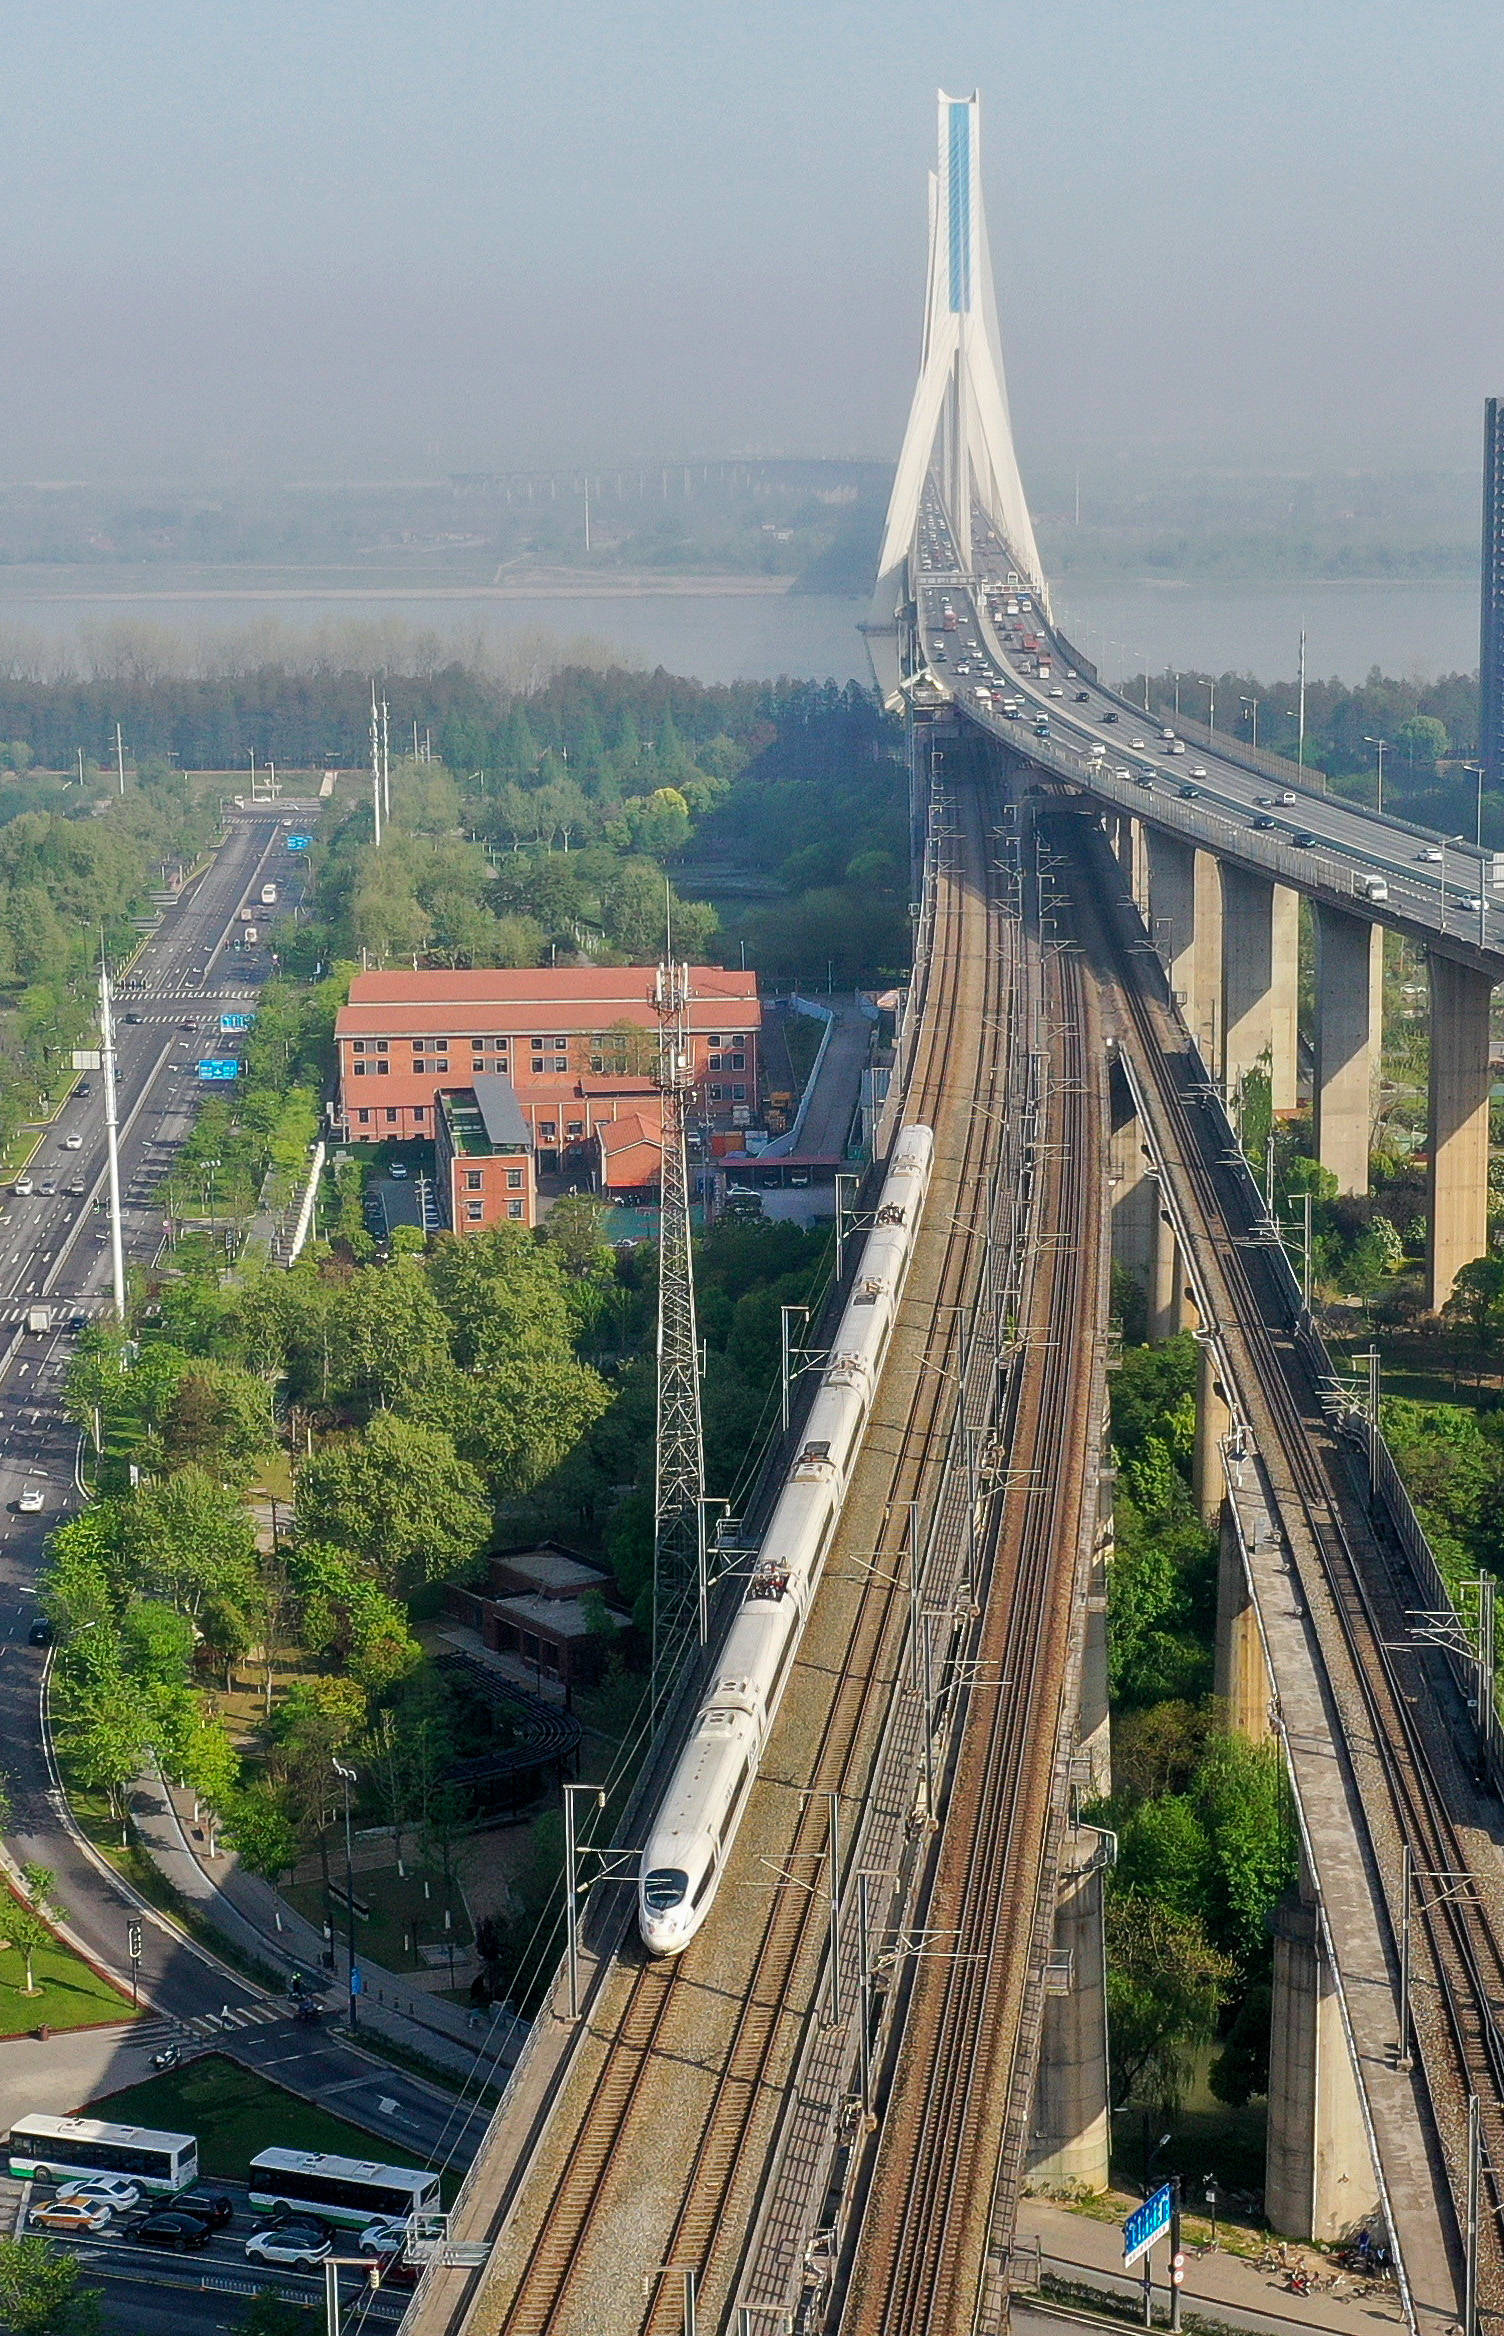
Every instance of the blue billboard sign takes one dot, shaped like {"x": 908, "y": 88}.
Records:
{"x": 1148, "y": 2223}
{"x": 228, "y": 1022}
{"x": 299, "y": 843}
{"x": 219, "y": 1067}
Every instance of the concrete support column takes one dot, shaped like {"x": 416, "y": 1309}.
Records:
{"x": 1458, "y": 1120}
{"x": 1204, "y": 1015}
{"x": 1172, "y": 913}
{"x": 1212, "y": 1423}
{"x": 1167, "y": 1306}
{"x": 1072, "y": 2126}
{"x": 1138, "y": 864}
{"x": 1285, "y": 1002}
{"x": 1135, "y": 1194}
{"x": 1318, "y": 2175}
{"x": 1241, "y": 1678}
{"x": 1349, "y": 975}
{"x": 1260, "y": 970}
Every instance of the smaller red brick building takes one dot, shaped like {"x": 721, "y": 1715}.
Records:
{"x": 545, "y": 1607}
{"x": 483, "y": 1157}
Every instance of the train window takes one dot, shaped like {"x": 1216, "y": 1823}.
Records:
{"x": 663, "y": 1888}
{"x": 817, "y": 1451}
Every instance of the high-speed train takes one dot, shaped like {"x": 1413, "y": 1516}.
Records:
{"x": 690, "y": 1841}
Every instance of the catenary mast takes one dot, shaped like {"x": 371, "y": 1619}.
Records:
{"x": 679, "y": 1470}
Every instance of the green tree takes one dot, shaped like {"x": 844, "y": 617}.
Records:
{"x": 104, "y": 1732}
{"x": 26, "y": 1929}
{"x": 262, "y": 1831}
{"x": 271, "y": 2314}
{"x": 1165, "y": 1985}
{"x": 220, "y": 1417}
{"x": 42, "y": 2291}
{"x": 1477, "y": 1298}
{"x": 401, "y": 1498}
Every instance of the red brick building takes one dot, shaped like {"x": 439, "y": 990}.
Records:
{"x": 483, "y": 1157}
{"x": 575, "y": 1042}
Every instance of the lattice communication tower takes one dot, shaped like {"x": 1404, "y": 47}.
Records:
{"x": 679, "y": 1471}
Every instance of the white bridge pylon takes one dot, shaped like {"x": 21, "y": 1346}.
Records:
{"x": 959, "y": 431}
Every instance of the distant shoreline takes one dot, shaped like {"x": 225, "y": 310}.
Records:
{"x": 553, "y": 584}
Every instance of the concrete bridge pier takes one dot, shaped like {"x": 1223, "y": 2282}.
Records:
{"x": 1213, "y": 1421}
{"x": 1240, "y": 1678}
{"x": 1260, "y": 975}
{"x": 1172, "y": 914}
{"x": 1168, "y": 1308}
{"x": 1072, "y": 2133}
{"x": 1458, "y": 1121}
{"x": 1319, "y": 2180}
{"x": 1134, "y": 1192}
{"x": 1349, "y": 1026}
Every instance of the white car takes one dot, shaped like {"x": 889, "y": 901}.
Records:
{"x": 388, "y": 2230}
{"x": 291, "y": 2245}
{"x": 24, "y": 1185}
{"x": 1431, "y": 852}
{"x": 1138, "y": 746}
{"x": 1198, "y": 770}
{"x": 1057, "y": 691}
{"x": 114, "y": 2190}
{"x": 1474, "y": 902}
{"x": 31, "y": 1504}
{"x": 73, "y": 1143}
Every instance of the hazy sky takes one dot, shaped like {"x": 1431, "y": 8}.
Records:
{"x": 330, "y": 238}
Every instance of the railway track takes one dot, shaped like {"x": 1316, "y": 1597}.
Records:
{"x": 925, "y": 2234}
{"x": 1457, "y": 1948}
{"x": 963, "y": 1041}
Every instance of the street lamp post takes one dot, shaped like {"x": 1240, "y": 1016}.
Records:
{"x": 1381, "y": 747}
{"x": 1211, "y": 708}
{"x": 347, "y": 1778}
{"x": 1250, "y": 707}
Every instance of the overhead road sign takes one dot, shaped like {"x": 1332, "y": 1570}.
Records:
{"x": 299, "y": 843}
{"x": 228, "y": 1022}
{"x": 219, "y": 1067}
{"x": 1148, "y": 2223}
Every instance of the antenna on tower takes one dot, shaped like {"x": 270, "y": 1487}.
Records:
{"x": 375, "y": 763}
{"x": 679, "y": 1460}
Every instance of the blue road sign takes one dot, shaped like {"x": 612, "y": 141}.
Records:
{"x": 1147, "y": 2223}
{"x": 299, "y": 843}
{"x": 219, "y": 1067}
{"x": 229, "y": 1022}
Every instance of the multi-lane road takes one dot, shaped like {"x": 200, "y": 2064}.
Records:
{"x": 1434, "y": 885}
{"x": 54, "y": 1248}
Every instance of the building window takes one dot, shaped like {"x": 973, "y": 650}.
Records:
{"x": 381, "y": 1046}
{"x": 537, "y": 1062}
{"x": 561, "y": 1062}
{"x": 715, "y": 1062}
{"x": 712, "y": 1038}
{"x": 417, "y": 1046}
{"x": 420, "y": 1066}
{"x": 514, "y": 1179}
{"x": 514, "y": 1208}
{"x": 420, "y": 1111}
{"x": 391, "y": 1118}
{"x": 360, "y": 1070}
{"x": 364, "y": 1117}
{"x": 474, "y": 1211}
{"x": 739, "y": 1091}
{"x": 359, "y": 1045}
{"x": 442, "y": 1065}
{"x": 576, "y": 1127}
{"x": 715, "y": 1094}
{"x": 383, "y": 1068}
{"x": 738, "y": 1062}
{"x": 548, "y": 1129}
{"x": 475, "y": 1180}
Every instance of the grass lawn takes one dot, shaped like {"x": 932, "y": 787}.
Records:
{"x": 235, "y": 2113}
{"x": 396, "y": 1913}
{"x": 70, "y": 1994}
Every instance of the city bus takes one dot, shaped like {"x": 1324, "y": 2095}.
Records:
{"x": 62, "y": 2149}
{"x": 352, "y": 2190}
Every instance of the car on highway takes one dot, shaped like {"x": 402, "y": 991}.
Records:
{"x": 1263, "y": 821}
{"x": 1081, "y": 697}
{"x": 1057, "y": 691}
{"x": 392, "y": 2267}
{"x": 1473, "y": 902}
{"x": 1432, "y": 852}
{"x": 1198, "y": 770}
{"x": 172, "y": 2226}
{"x": 31, "y": 1504}
{"x": 1109, "y": 716}
{"x": 387, "y": 2230}
{"x": 49, "y": 1185}
{"x": 76, "y": 2215}
{"x": 212, "y": 2206}
{"x": 291, "y": 2243}
{"x": 76, "y": 1188}
{"x": 73, "y": 1143}
{"x": 1189, "y": 794}
{"x": 133, "y": 1017}
{"x": 1137, "y": 746}
{"x": 1303, "y": 840}
{"x": 40, "y": 1633}
{"x": 113, "y": 2190}
{"x": 84, "y": 1087}
{"x": 24, "y": 1186}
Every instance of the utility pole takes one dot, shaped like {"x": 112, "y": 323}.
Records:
{"x": 111, "y": 1134}
{"x": 1300, "y": 743}
{"x": 120, "y": 757}
{"x": 386, "y": 760}
{"x": 347, "y": 1778}
{"x": 679, "y": 1456}
{"x": 375, "y": 764}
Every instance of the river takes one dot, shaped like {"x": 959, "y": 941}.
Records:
{"x": 719, "y": 635}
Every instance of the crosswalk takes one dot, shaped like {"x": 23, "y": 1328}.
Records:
{"x": 157, "y": 2031}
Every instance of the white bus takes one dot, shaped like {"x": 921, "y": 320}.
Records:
{"x": 59, "y": 2149}
{"x": 353, "y": 2190}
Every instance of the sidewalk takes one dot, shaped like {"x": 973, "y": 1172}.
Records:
{"x": 249, "y": 1912}
{"x": 1229, "y": 2288}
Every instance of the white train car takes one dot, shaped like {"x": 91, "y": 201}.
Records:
{"x": 691, "y": 1836}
